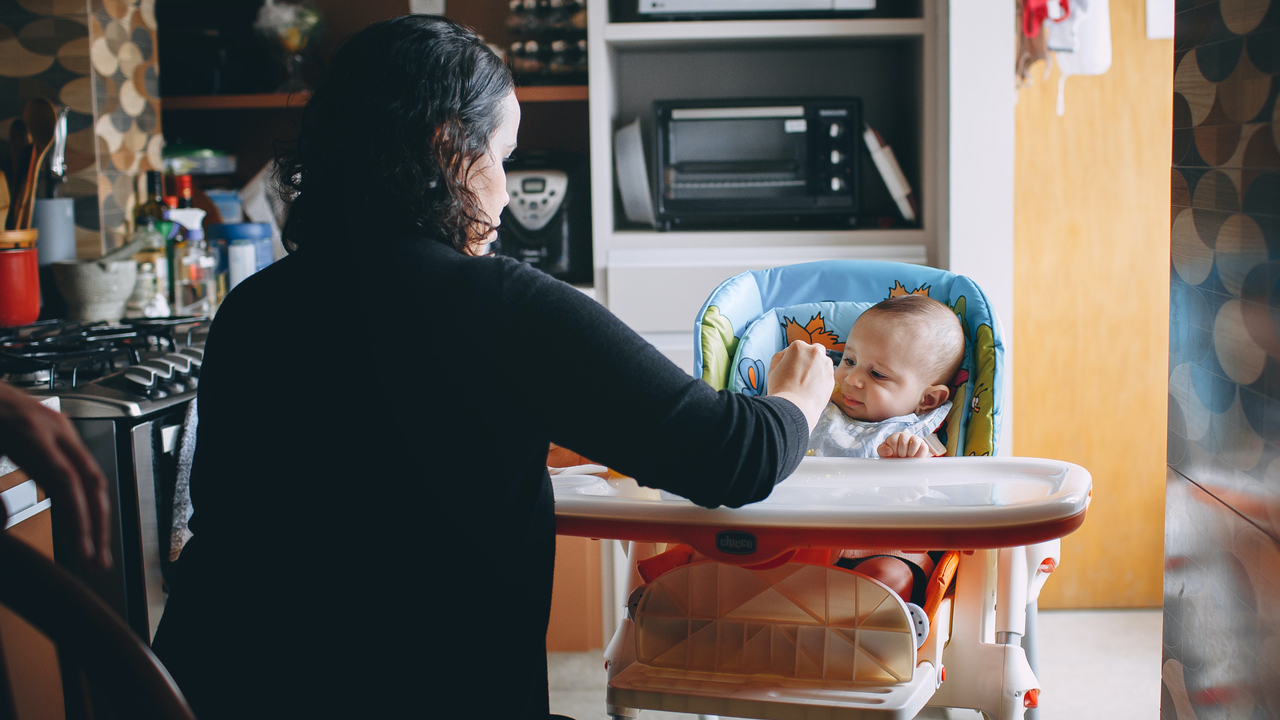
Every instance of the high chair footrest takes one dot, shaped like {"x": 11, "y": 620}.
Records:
{"x": 769, "y": 698}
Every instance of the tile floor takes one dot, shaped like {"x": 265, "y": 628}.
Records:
{"x": 1093, "y": 664}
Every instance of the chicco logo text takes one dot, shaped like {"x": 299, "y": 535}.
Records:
{"x": 735, "y": 542}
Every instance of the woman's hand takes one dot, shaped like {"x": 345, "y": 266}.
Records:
{"x": 46, "y": 446}
{"x": 804, "y": 375}
{"x": 904, "y": 445}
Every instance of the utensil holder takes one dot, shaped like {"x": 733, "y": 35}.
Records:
{"x": 19, "y": 278}
{"x": 18, "y": 239}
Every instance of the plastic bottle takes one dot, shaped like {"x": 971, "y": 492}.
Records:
{"x": 193, "y": 265}
{"x": 196, "y": 286}
{"x": 243, "y": 260}
{"x": 147, "y": 300}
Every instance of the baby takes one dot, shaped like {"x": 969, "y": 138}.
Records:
{"x": 891, "y": 389}
{"x": 891, "y": 395}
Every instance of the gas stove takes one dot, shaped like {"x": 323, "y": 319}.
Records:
{"x": 127, "y": 369}
{"x": 127, "y": 388}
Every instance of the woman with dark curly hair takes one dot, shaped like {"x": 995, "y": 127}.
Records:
{"x": 374, "y": 532}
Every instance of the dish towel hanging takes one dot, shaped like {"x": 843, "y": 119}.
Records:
{"x": 1089, "y": 29}
{"x": 180, "y": 534}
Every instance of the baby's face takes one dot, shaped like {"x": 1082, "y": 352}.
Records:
{"x": 879, "y": 376}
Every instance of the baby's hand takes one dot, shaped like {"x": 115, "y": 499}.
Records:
{"x": 904, "y": 445}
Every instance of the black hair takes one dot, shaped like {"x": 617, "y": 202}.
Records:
{"x": 403, "y": 111}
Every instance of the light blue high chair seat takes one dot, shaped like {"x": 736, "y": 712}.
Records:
{"x": 751, "y": 316}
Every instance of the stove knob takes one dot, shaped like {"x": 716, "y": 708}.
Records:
{"x": 141, "y": 376}
{"x": 837, "y": 184}
{"x": 195, "y": 354}
{"x": 162, "y": 370}
{"x": 836, "y": 157}
{"x": 174, "y": 371}
{"x": 180, "y": 363}
{"x": 836, "y": 130}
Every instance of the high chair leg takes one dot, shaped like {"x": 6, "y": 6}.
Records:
{"x": 1011, "y": 595}
{"x": 1029, "y": 647}
{"x": 991, "y": 677}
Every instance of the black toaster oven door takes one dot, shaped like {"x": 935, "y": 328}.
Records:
{"x": 725, "y": 163}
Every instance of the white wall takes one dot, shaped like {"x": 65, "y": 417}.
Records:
{"x": 979, "y": 224}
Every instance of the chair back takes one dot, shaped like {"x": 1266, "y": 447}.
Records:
{"x": 88, "y": 634}
{"x": 806, "y": 301}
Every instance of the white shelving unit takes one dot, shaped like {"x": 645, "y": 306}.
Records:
{"x": 927, "y": 81}
{"x": 650, "y": 239}
{"x": 783, "y": 57}
{"x": 664, "y": 34}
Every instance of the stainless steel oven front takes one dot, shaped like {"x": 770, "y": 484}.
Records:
{"x": 139, "y": 458}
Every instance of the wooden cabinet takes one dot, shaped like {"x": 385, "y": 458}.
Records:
{"x": 30, "y": 658}
{"x": 554, "y": 117}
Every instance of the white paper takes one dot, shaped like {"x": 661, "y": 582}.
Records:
{"x": 1160, "y": 19}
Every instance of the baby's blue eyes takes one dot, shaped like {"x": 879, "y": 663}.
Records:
{"x": 850, "y": 362}
{"x": 877, "y": 375}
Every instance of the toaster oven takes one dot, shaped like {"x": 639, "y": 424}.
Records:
{"x": 728, "y": 163}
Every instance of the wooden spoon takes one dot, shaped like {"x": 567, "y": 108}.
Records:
{"x": 41, "y": 118}
{"x": 19, "y": 143}
{"x": 4, "y": 195}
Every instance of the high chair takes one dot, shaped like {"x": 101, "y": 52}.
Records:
{"x": 740, "y": 612}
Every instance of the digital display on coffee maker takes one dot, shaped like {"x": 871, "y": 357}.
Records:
{"x": 548, "y": 221}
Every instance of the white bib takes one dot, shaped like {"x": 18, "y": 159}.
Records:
{"x": 838, "y": 435}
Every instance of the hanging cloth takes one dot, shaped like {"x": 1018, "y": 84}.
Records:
{"x": 1092, "y": 34}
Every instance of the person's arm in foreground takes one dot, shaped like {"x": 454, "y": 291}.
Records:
{"x": 602, "y": 391}
{"x": 46, "y": 446}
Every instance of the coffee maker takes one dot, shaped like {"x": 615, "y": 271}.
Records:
{"x": 547, "y": 223}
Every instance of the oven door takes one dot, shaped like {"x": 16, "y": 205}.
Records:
{"x": 139, "y": 460}
{"x": 155, "y": 469}
{"x": 741, "y": 154}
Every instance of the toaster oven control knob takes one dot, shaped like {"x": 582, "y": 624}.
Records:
{"x": 837, "y": 184}
{"x": 836, "y": 157}
{"x": 836, "y": 130}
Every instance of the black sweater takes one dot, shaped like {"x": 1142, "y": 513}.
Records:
{"x": 374, "y": 528}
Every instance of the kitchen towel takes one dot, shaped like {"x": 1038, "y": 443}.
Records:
{"x": 179, "y": 534}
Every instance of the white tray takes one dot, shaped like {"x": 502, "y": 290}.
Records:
{"x": 938, "y": 503}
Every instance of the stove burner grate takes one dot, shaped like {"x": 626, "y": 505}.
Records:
{"x": 67, "y": 354}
